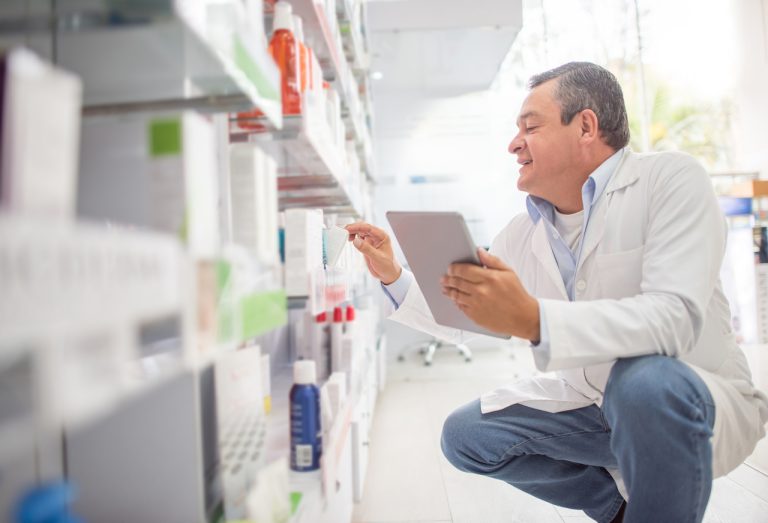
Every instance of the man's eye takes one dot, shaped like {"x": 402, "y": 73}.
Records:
{"x": 531, "y": 128}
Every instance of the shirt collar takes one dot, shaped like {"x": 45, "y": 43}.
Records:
{"x": 591, "y": 191}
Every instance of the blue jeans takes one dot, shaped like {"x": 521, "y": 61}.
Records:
{"x": 654, "y": 426}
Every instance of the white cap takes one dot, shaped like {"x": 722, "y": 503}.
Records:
{"x": 283, "y": 18}
{"x": 304, "y": 372}
{"x": 298, "y": 28}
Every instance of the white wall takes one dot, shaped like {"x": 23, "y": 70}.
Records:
{"x": 751, "y": 111}
{"x": 460, "y": 145}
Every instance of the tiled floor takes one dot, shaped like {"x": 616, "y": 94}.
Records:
{"x": 409, "y": 480}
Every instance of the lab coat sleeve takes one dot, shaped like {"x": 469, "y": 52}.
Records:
{"x": 414, "y": 312}
{"x": 398, "y": 289}
{"x": 541, "y": 349}
{"x": 684, "y": 246}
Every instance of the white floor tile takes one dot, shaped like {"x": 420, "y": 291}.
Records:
{"x": 404, "y": 481}
{"x": 751, "y": 479}
{"x": 732, "y": 503}
{"x": 569, "y": 513}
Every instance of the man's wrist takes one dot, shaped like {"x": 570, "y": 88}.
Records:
{"x": 399, "y": 272}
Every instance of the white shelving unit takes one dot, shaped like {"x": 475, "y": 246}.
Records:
{"x": 124, "y": 312}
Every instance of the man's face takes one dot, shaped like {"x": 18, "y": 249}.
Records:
{"x": 546, "y": 150}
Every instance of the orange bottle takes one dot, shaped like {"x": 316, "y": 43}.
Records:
{"x": 284, "y": 50}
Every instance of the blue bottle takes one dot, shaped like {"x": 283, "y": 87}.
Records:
{"x": 306, "y": 433}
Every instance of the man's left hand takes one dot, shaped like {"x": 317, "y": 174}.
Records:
{"x": 493, "y": 297}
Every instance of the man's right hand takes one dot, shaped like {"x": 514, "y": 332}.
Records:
{"x": 376, "y": 246}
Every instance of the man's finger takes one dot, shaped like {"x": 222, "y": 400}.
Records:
{"x": 452, "y": 282}
{"x": 458, "y": 297}
{"x": 366, "y": 248}
{"x": 366, "y": 229}
{"x": 467, "y": 271}
{"x": 491, "y": 261}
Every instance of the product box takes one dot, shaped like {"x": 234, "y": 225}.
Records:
{"x": 152, "y": 172}
{"x": 39, "y": 135}
{"x": 304, "y": 274}
{"x": 253, "y": 188}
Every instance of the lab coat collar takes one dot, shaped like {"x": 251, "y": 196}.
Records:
{"x": 624, "y": 175}
{"x": 596, "y": 229}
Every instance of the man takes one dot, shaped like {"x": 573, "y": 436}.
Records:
{"x": 613, "y": 274}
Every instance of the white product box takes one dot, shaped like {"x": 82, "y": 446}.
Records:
{"x": 155, "y": 172}
{"x": 39, "y": 136}
{"x": 304, "y": 254}
{"x": 253, "y": 185}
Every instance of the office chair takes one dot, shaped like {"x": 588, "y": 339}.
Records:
{"x": 428, "y": 348}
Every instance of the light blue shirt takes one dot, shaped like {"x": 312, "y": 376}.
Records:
{"x": 567, "y": 260}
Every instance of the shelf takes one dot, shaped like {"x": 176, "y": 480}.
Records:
{"x": 319, "y": 35}
{"x": 352, "y": 39}
{"x": 313, "y": 172}
{"x": 79, "y": 303}
{"x": 199, "y": 55}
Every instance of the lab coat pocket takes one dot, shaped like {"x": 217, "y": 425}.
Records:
{"x": 620, "y": 273}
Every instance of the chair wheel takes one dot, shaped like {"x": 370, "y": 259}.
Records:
{"x": 468, "y": 360}
{"x": 427, "y": 363}
{"x": 401, "y": 358}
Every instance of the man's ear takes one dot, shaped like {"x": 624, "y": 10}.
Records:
{"x": 590, "y": 128}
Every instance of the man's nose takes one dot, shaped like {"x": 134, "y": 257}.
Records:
{"x": 516, "y": 145}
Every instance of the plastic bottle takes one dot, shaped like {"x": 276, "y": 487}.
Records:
{"x": 320, "y": 349}
{"x": 337, "y": 335}
{"x": 284, "y": 50}
{"x": 306, "y": 430}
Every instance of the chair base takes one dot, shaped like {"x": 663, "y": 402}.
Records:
{"x": 429, "y": 348}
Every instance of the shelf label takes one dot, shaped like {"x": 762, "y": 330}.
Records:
{"x": 165, "y": 137}
{"x": 263, "y": 312}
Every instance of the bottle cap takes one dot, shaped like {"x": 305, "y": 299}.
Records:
{"x": 304, "y": 372}
{"x": 350, "y": 313}
{"x": 321, "y": 318}
{"x": 282, "y": 20}
{"x": 298, "y": 28}
{"x": 338, "y": 315}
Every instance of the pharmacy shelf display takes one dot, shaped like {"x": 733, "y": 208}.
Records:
{"x": 146, "y": 268}
{"x": 165, "y": 55}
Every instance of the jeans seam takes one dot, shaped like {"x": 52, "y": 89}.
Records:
{"x": 614, "y": 509}
{"x": 542, "y": 438}
{"x": 604, "y": 421}
{"x": 699, "y": 473}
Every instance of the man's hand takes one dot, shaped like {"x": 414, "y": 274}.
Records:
{"x": 376, "y": 247}
{"x": 493, "y": 297}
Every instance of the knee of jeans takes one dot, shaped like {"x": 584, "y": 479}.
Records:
{"x": 640, "y": 383}
{"x": 647, "y": 384}
{"x": 454, "y": 437}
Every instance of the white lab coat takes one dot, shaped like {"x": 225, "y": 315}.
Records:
{"x": 647, "y": 283}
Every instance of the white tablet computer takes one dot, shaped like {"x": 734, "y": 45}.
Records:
{"x": 431, "y": 241}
